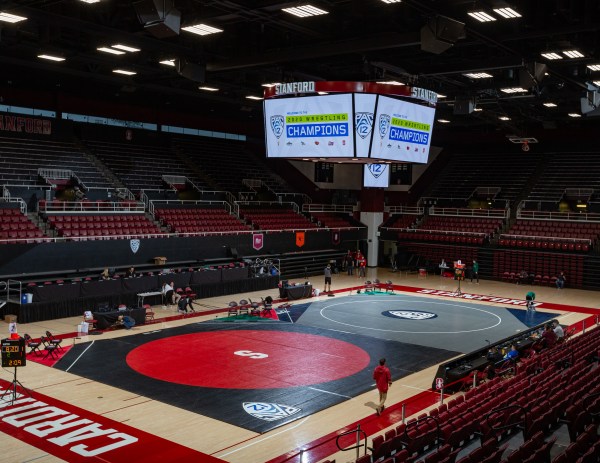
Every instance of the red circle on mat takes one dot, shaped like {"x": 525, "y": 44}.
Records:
{"x": 248, "y": 359}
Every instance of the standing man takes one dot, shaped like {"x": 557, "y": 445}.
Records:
{"x": 383, "y": 380}
{"x": 327, "y": 278}
{"x": 350, "y": 262}
{"x": 475, "y": 271}
{"x": 560, "y": 280}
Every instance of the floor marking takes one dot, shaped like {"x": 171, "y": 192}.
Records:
{"x": 340, "y": 331}
{"x": 150, "y": 332}
{"x": 266, "y": 438}
{"x": 332, "y": 393}
{"x": 80, "y": 355}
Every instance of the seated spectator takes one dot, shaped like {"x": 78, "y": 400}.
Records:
{"x": 105, "y": 275}
{"x": 512, "y": 354}
{"x": 522, "y": 277}
{"x": 560, "y": 333}
{"x": 549, "y": 337}
{"x": 493, "y": 355}
{"x": 130, "y": 273}
{"x": 560, "y": 280}
{"x": 490, "y": 371}
{"x": 175, "y": 296}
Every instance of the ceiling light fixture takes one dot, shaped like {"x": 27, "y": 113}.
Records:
{"x": 507, "y": 13}
{"x": 124, "y": 72}
{"x": 391, "y": 1}
{"x": 125, "y": 48}
{"x": 253, "y": 97}
{"x": 478, "y": 109}
{"x": 209, "y": 89}
{"x": 270, "y": 85}
{"x": 513, "y": 90}
{"x": 51, "y": 57}
{"x": 550, "y": 105}
{"x": 90, "y": 1}
{"x": 596, "y": 82}
{"x": 574, "y": 115}
{"x": 478, "y": 75}
{"x": 110, "y": 50}
{"x": 504, "y": 118}
{"x": 443, "y": 121}
{"x": 391, "y": 82}
{"x": 305, "y": 11}
{"x": 481, "y": 16}
{"x": 168, "y": 62}
{"x": 551, "y": 55}
{"x": 11, "y": 18}
{"x": 573, "y": 54}
{"x": 202, "y": 29}
{"x": 593, "y": 67}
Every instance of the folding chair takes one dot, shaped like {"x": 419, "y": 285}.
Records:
{"x": 243, "y": 307}
{"x": 54, "y": 341}
{"x": 49, "y": 348}
{"x": 254, "y": 311}
{"x": 34, "y": 346}
{"x": 233, "y": 309}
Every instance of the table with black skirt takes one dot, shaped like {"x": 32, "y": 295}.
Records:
{"x": 105, "y": 320}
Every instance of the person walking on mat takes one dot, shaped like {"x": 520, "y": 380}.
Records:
{"x": 383, "y": 380}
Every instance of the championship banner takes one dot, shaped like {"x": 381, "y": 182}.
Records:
{"x": 299, "y": 239}
{"x": 335, "y": 237}
{"x": 257, "y": 241}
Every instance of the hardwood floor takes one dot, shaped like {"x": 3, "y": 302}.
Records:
{"x": 227, "y": 442}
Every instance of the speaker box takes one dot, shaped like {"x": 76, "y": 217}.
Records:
{"x": 463, "y": 106}
{"x": 441, "y": 33}
{"x": 532, "y": 74}
{"x": 159, "y": 17}
{"x": 191, "y": 71}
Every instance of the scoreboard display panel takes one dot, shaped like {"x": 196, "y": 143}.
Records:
{"x": 313, "y": 126}
{"x": 13, "y": 353}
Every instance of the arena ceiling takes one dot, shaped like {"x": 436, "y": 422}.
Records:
{"x": 417, "y": 42}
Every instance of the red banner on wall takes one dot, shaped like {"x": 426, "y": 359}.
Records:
{"x": 299, "y": 239}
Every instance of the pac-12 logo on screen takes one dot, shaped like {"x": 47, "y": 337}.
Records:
{"x": 384, "y": 124}
{"x": 377, "y": 169}
{"x": 277, "y": 125}
{"x": 364, "y": 124}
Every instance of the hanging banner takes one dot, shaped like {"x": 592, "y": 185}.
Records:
{"x": 335, "y": 237}
{"x": 257, "y": 241}
{"x": 299, "y": 239}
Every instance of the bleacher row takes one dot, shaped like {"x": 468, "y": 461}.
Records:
{"x": 102, "y": 225}
{"x": 194, "y": 220}
{"x": 545, "y": 265}
{"x": 544, "y": 391}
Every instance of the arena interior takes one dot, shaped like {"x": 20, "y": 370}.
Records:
{"x": 218, "y": 216}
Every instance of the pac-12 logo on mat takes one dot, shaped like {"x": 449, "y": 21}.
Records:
{"x": 409, "y": 314}
{"x": 269, "y": 412}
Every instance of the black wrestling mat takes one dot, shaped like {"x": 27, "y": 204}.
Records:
{"x": 255, "y": 376}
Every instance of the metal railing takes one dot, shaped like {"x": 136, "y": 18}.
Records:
{"x": 561, "y": 239}
{"x": 154, "y": 203}
{"x": 464, "y": 212}
{"x": 88, "y": 206}
{"x": 563, "y": 216}
{"x": 406, "y": 210}
{"x": 327, "y": 208}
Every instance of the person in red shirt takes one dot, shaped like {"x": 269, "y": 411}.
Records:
{"x": 383, "y": 380}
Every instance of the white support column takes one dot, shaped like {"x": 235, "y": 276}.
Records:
{"x": 372, "y": 220}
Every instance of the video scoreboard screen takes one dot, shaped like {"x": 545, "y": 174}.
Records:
{"x": 13, "y": 352}
{"x": 348, "y": 125}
